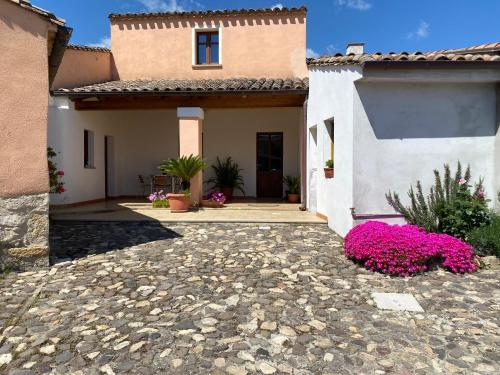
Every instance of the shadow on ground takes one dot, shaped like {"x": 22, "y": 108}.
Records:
{"x": 73, "y": 240}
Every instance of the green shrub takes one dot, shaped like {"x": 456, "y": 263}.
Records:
{"x": 452, "y": 207}
{"x": 227, "y": 175}
{"x": 293, "y": 184}
{"x": 184, "y": 167}
{"x": 486, "y": 240}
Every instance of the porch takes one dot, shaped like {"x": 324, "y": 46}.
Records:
{"x": 108, "y": 135}
{"x": 235, "y": 211}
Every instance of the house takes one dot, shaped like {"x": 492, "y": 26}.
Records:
{"x": 32, "y": 42}
{"x": 209, "y": 83}
{"x": 388, "y": 120}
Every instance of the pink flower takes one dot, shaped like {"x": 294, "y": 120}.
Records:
{"x": 481, "y": 194}
{"x": 60, "y": 173}
{"x": 404, "y": 250}
{"x": 61, "y": 190}
{"x": 462, "y": 181}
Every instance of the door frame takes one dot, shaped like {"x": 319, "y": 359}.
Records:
{"x": 257, "y": 159}
{"x": 106, "y": 165}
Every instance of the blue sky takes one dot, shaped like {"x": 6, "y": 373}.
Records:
{"x": 384, "y": 25}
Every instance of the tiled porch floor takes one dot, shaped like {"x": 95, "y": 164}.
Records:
{"x": 242, "y": 211}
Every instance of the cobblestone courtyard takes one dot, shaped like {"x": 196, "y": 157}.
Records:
{"x": 139, "y": 298}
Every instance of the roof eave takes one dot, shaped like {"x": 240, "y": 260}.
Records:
{"x": 436, "y": 64}
{"x": 131, "y": 93}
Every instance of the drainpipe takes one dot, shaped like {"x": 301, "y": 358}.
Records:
{"x": 356, "y": 216}
{"x": 303, "y": 159}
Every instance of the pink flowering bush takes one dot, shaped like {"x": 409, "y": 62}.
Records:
{"x": 159, "y": 199}
{"x": 403, "y": 250}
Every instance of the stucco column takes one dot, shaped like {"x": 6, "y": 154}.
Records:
{"x": 191, "y": 142}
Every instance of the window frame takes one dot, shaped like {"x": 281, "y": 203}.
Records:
{"x": 330, "y": 131}
{"x": 209, "y": 56}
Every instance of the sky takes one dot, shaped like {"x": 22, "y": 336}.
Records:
{"x": 383, "y": 25}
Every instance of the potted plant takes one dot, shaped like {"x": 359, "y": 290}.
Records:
{"x": 329, "y": 168}
{"x": 185, "y": 168}
{"x": 293, "y": 184}
{"x": 227, "y": 177}
{"x": 214, "y": 199}
{"x": 159, "y": 199}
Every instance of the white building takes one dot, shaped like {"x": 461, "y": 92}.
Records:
{"x": 390, "y": 120}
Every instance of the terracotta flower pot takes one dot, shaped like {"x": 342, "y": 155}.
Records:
{"x": 293, "y": 198}
{"x": 228, "y": 192}
{"x": 178, "y": 202}
{"x": 328, "y": 172}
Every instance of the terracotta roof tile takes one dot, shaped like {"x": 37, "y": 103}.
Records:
{"x": 195, "y": 86}
{"x": 402, "y": 56}
{"x": 486, "y": 48}
{"x": 222, "y": 12}
{"x": 87, "y": 48}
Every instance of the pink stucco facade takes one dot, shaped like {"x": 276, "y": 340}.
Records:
{"x": 84, "y": 67}
{"x": 252, "y": 45}
{"x": 23, "y": 104}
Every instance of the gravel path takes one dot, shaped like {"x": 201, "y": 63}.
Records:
{"x": 138, "y": 298}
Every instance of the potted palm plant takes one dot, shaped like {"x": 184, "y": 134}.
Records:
{"x": 185, "y": 168}
{"x": 293, "y": 184}
{"x": 227, "y": 177}
{"x": 329, "y": 168}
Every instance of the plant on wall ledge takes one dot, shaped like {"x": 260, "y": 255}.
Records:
{"x": 55, "y": 175}
{"x": 452, "y": 207}
{"x": 329, "y": 168}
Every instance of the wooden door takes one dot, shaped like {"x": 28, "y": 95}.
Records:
{"x": 270, "y": 165}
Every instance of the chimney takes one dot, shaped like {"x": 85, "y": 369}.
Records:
{"x": 355, "y": 48}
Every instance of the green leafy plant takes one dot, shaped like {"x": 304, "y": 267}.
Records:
{"x": 452, "y": 206}
{"x": 227, "y": 175}
{"x": 56, "y": 186}
{"x": 329, "y": 163}
{"x": 293, "y": 184}
{"x": 486, "y": 240}
{"x": 184, "y": 167}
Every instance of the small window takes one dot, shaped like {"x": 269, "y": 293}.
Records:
{"x": 207, "y": 48}
{"x": 88, "y": 149}
{"x": 330, "y": 130}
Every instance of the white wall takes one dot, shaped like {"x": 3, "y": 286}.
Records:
{"x": 394, "y": 129}
{"x": 497, "y": 149}
{"x": 232, "y": 132}
{"x": 331, "y": 96}
{"x": 143, "y": 138}
{"x": 403, "y": 131}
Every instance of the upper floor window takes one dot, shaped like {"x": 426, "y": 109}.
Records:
{"x": 207, "y": 47}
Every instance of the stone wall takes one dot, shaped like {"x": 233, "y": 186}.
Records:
{"x": 24, "y": 232}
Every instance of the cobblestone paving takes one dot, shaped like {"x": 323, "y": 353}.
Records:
{"x": 236, "y": 299}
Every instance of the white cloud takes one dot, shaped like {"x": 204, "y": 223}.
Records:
{"x": 162, "y": 5}
{"x": 332, "y": 49}
{"x": 310, "y": 53}
{"x": 104, "y": 43}
{"x": 355, "y": 4}
{"x": 277, "y": 6}
{"x": 422, "y": 31}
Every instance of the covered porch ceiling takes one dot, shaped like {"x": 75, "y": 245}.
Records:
{"x": 213, "y": 93}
